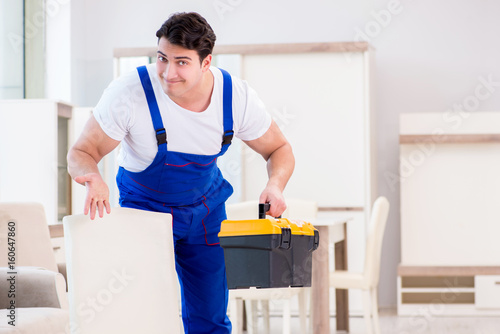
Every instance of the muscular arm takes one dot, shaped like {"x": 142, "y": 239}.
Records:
{"x": 92, "y": 145}
{"x": 276, "y": 150}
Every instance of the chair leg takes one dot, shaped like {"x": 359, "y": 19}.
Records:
{"x": 265, "y": 316}
{"x": 374, "y": 298}
{"x": 311, "y": 315}
{"x": 252, "y": 317}
{"x": 286, "y": 316}
{"x": 236, "y": 311}
{"x": 367, "y": 311}
{"x": 302, "y": 310}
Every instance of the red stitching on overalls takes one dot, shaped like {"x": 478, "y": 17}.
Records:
{"x": 192, "y": 162}
{"x": 206, "y": 240}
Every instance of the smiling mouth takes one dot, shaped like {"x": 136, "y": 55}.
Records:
{"x": 171, "y": 82}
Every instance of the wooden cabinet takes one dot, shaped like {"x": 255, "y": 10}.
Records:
{"x": 33, "y": 154}
{"x": 450, "y": 190}
{"x": 448, "y": 290}
{"x": 320, "y": 96}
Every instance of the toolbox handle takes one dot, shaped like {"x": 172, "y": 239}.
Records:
{"x": 263, "y": 209}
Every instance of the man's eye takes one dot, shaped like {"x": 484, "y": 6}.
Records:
{"x": 162, "y": 59}
{"x": 183, "y": 62}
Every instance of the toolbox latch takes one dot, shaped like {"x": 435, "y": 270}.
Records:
{"x": 286, "y": 238}
{"x": 316, "y": 240}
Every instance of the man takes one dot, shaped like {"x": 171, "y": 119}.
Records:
{"x": 174, "y": 119}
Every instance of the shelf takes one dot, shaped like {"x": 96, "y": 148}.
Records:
{"x": 419, "y": 271}
{"x": 438, "y": 282}
{"x": 447, "y": 297}
{"x": 453, "y": 290}
{"x": 258, "y": 49}
{"x": 438, "y": 290}
{"x": 450, "y": 138}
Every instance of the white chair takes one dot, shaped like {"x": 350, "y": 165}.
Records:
{"x": 368, "y": 280}
{"x": 296, "y": 209}
{"x": 121, "y": 273}
{"x": 33, "y": 245}
{"x": 40, "y": 290}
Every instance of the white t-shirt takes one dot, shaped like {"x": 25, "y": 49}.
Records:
{"x": 123, "y": 114}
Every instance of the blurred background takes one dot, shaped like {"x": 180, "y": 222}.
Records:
{"x": 428, "y": 56}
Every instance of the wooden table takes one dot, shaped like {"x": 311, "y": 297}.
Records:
{"x": 56, "y": 230}
{"x": 321, "y": 277}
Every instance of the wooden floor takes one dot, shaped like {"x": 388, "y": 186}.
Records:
{"x": 390, "y": 323}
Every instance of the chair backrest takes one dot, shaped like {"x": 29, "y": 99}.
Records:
{"x": 28, "y": 222}
{"x": 121, "y": 273}
{"x": 301, "y": 209}
{"x": 374, "y": 240}
{"x": 243, "y": 210}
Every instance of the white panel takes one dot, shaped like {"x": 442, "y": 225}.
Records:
{"x": 28, "y": 151}
{"x": 317, "y": 99}
{"x": 487, "y": 292}
{"x": 58, "y": 56}
{"x": 449, "y": 204}
{"x": 450, "y": 123}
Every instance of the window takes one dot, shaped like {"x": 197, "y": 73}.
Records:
{"x": 11, "y": 49}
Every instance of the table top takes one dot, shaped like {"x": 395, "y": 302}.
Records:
{"x": 333, "y": 222}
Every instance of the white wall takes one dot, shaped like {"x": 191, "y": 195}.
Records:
{"x": 430, "y": 56}
{"x": 58, "y": 59}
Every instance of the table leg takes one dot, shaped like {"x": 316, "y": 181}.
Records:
{"x": 321, "y": 285}
{"x": 341, "y": 295}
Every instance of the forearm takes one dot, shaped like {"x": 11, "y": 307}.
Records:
{"x": 81, "y": 163}
{"x": 280, "y": 166}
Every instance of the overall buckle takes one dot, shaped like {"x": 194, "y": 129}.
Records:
{"x": 161, "y": 136}
{"x": 227, "y": 137}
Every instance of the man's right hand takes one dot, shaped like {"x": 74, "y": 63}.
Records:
{"x": 97, "y": 194}
{"x": 83, "y": 157}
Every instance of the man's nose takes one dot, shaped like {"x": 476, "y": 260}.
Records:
{"x": 169, "y": 72}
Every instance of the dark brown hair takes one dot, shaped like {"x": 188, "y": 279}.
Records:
{"x": 190, "y": 31}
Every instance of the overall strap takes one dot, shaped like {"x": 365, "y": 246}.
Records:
{"x": 227, "y": 104}
{"x": 161, "y": 134}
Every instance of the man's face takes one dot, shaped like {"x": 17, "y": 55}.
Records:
{"x": 179, "y": 69}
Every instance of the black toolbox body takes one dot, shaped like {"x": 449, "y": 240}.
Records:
{"x": 268, "y": 252}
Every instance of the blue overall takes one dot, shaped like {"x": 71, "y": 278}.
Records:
{"x": 192, "y": 189}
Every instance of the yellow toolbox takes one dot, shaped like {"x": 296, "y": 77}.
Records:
{"x": 268, "y": 252}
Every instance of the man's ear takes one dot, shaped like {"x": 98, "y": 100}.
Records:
{"x": 206, "y": 63}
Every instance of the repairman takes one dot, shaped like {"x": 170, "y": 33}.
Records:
{"x": 174, "y": 119}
